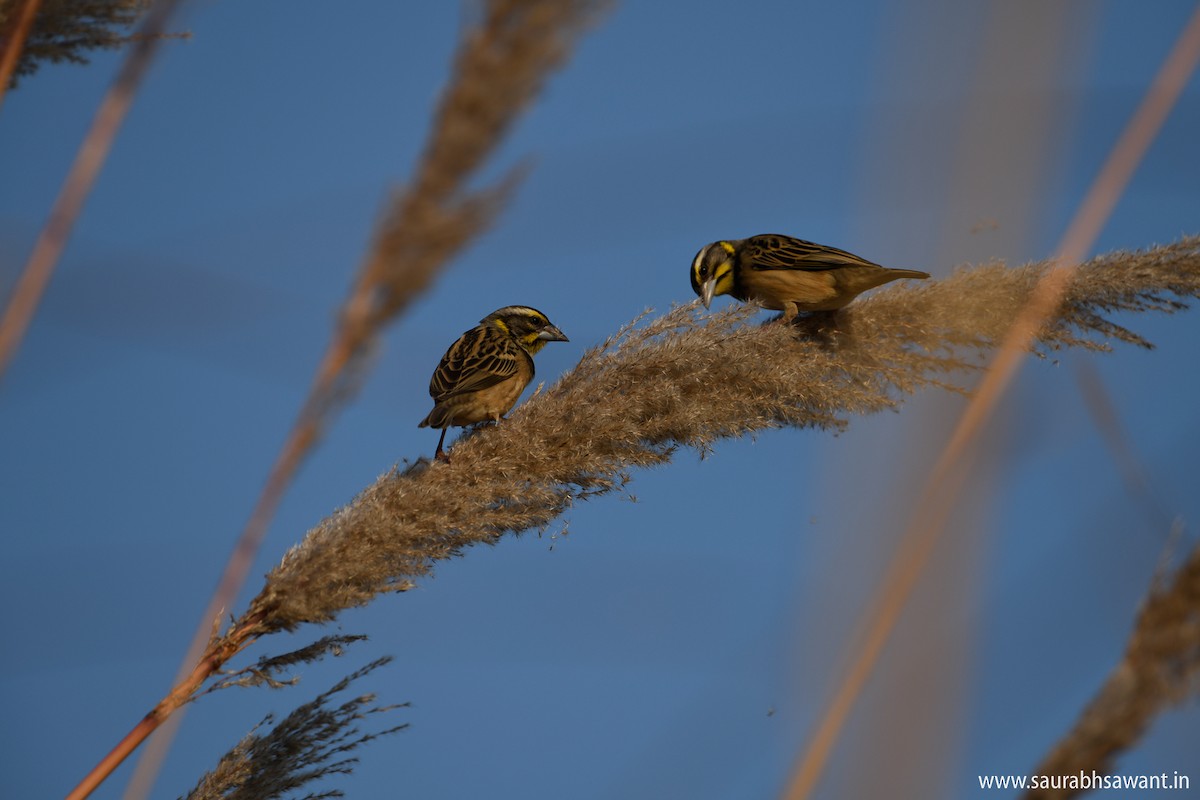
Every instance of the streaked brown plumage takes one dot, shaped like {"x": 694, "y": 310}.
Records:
{"x": 787, "y": 274}
{"x": 484, "y": 372}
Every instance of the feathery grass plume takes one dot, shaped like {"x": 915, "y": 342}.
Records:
{"x": 309, "y": 744}
{"x": 268, "y": 669}
{"x": 1160, "y": 668}
{"x": 65, "y": 30}
{"x": 686, "y": 379}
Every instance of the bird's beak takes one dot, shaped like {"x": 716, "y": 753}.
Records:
{"x": 552, "y": 334}
{"x": 709, "y": 290}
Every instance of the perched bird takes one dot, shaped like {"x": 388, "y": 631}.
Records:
{"x": 484, "y": 372}
{"x": 787, "y": 274}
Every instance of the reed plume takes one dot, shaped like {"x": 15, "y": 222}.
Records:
{"x": 687, "y": 380}
{"x": 1159, "y": 669}
{"x": 309, "y": 744}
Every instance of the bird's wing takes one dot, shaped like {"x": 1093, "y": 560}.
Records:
{"x": 771, "y": 251}
{"x": 476, "y": 361}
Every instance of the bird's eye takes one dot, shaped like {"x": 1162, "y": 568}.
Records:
{"x": 704, "y": 272}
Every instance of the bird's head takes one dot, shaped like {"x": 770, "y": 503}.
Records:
{"x": 530, "y": 327}
{"x": 712, "y": 271}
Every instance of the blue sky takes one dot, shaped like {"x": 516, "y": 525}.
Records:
{"x": 677, "y": 646}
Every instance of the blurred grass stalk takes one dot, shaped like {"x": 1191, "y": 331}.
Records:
{"x": 947, "y": 479}
{"x": 981, "y": 168}
{"x": 93, "y": 152}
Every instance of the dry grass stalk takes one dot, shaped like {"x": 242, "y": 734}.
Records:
{"x": 1159, "y": 669}
{"x": 309, "y": 744}
{"x": 688, "y": 380}
{"x": 501, "y": 65}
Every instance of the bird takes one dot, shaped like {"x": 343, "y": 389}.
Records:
{"x": 787, "y": 274}
{"x": 484, "y": 372}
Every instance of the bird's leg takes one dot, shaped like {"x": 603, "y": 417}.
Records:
{"x": 441, "y": 454}
{"x": 790, "y": 312}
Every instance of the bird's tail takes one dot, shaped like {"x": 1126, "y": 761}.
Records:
{"x": 438, "y": 418}
{"x": 894, "y": 274}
